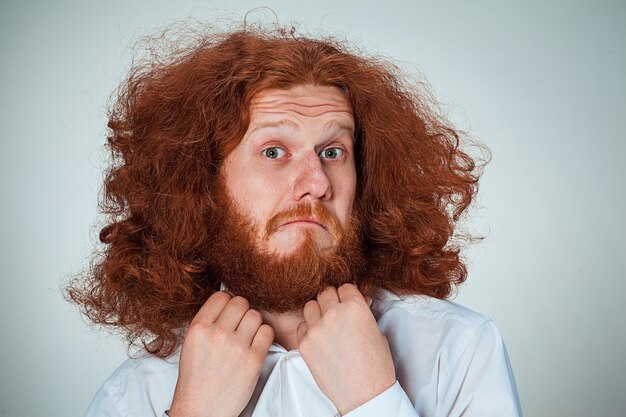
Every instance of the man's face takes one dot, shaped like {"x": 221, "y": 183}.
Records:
{"x": 298, "y": 151}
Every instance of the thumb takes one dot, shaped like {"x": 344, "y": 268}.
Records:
{"x": 368, "y": 300}
{"x": 301, "y": 331}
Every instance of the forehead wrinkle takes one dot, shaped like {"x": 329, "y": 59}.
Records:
{"x": 342, "y": 124}
{"x": 331, "y": 125}
{"x": 293, "y": 106}
{"x": 304, "y": 110}
{"x": 281, "y": 98}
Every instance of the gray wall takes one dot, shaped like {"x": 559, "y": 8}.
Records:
{"x": 541, "y": 83}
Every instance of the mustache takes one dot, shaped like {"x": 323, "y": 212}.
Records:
{"x": 315, "y": 210}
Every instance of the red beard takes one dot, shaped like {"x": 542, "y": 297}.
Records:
{"x": 283, "y": 283}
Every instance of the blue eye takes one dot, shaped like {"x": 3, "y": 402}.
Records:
{"x": 332, "y": 153}
{"x": 274, "y": 152}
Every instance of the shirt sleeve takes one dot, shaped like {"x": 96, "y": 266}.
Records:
{"x": 392, "y": 402}
{"x": 482, "y": 382}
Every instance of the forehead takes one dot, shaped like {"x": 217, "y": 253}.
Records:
{"x": 302, "y": 101}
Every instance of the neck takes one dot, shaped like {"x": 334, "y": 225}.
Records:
{"x": 285, "y": 327}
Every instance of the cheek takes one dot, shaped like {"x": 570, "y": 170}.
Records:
{"x": 345, "y": 189}
{"x": 248, "y": 186}
{"x": 259, "y": 194}
{"x": 255, "y": 189}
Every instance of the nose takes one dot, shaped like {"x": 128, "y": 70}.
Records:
{"x": 311, "y": 180}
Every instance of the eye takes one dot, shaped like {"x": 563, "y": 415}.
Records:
{"x": 274, "y": 152}
{"x": 332, "y": 153}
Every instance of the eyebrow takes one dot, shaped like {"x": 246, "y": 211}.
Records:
{"x": 342, "y": 125}
{"x": 270, "y": 124}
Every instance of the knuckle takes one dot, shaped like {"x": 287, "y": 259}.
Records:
{"x": 321, "y": 293}
{"x": 219, "y": 332}
{"x": 310, "y": 306}
{"x": 197, "y": 328}
{"x": 217, "y": 298}
{"x": 265, "y": 331}
{"x": 328, "y": 288}
{"x": 353, "y": 305}
{"x": 240, "y": 301}
{"x": 331, "y": 314}
{"x": 253, "y": 315}
{"x": 219, "y": 295}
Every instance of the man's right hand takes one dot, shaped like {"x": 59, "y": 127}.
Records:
{"x": 221, "y": 359}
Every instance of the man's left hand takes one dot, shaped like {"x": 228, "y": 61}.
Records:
{"x": 345, "y": 351}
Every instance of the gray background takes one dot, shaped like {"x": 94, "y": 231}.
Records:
{"x": 542, "y": 83}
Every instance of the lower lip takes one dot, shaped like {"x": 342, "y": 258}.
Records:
{"x": 304, "y": 222}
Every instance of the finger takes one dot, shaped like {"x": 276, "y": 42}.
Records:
{"x": 312, "y": 312}
{"x": 348, "y": 292}
{"x": 301, "y": 331}
{"x": 263, "y": 339}
{"x": 212, "y": 308}
{"x": 327, "y": 298}
{"x": 249, "y": 325}
{"x": 233, "y": 312}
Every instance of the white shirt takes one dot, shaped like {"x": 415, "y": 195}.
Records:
{"x": 449, "y": 361}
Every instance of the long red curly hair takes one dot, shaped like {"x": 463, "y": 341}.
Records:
{"x": 177, "y": 116}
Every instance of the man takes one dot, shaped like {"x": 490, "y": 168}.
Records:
{"x": 282, "y": 215}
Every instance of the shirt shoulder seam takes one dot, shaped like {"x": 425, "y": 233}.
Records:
{"x": 111, "y": 390}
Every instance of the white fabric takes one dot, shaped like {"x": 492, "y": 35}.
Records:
{"x": 450, "y": 361}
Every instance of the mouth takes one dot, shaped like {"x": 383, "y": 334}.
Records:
{"x": 304, "y": 221}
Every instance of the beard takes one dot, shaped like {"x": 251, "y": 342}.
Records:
{"x": 282, "y": 283}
